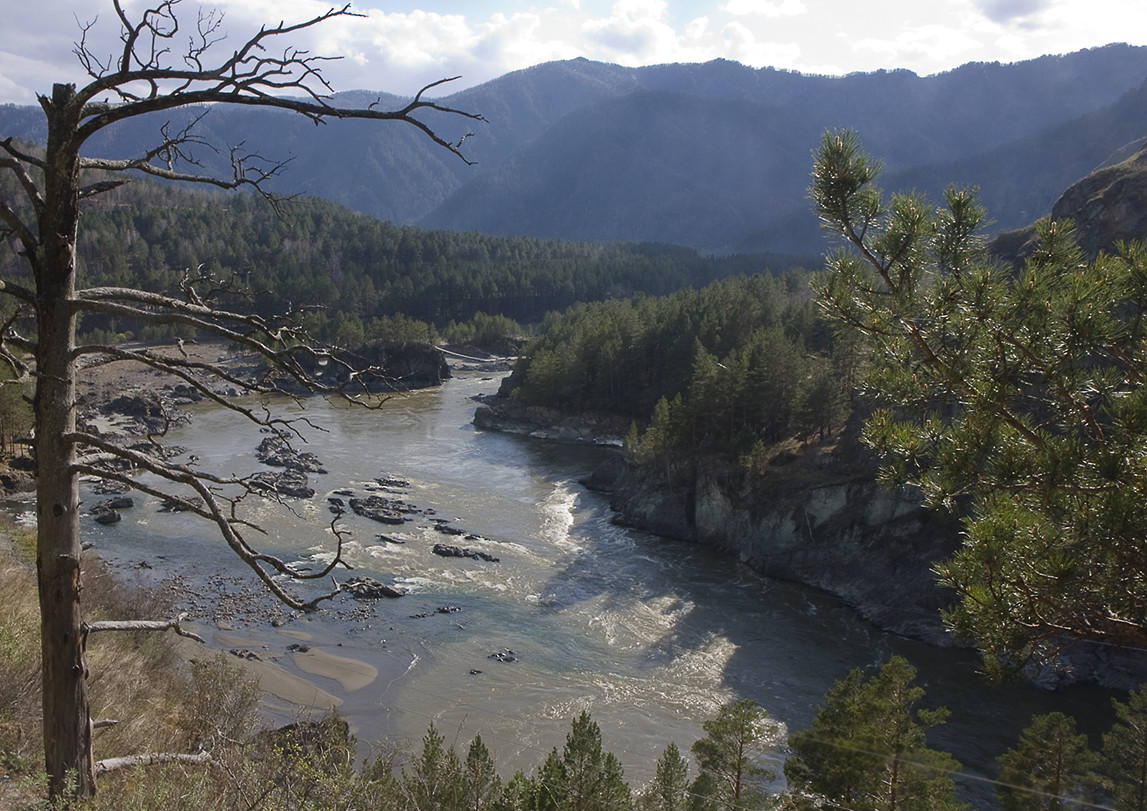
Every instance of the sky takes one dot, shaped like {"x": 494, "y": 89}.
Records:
{"x": 402, "y": 45}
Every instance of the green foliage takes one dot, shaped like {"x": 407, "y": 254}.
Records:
{"x": 866, "y": 748}
{"x": 349, "y": 269}
{"x": 1123, "y": 760}
{"x": 482, "y": 785}
{"x": 710, "y": 370}
{"x": 435, "y": 781}
{"x": 729, "y": 758}
{"x": 1018, "y": 396}
{"x": 592, "y": 780}
{"x": 669, "y": 790}
{"x": 483, "y": 331}
{"x": 1048, "y": 768}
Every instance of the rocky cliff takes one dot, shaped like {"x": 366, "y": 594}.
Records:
{"x": 1108, "y": 205}
{"x": 823, "y": 522}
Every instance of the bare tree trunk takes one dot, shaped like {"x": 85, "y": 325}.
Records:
{"x": 67, "y": 725}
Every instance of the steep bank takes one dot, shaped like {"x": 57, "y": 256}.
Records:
{"x": 819, "y": 517}
{"x": 820, "y": 520}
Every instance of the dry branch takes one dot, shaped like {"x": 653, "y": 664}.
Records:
{"x": 143, "y": 625}
{"x": 149, "y": 759}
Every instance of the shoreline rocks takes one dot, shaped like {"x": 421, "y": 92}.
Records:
{"x": 510, "y": 416}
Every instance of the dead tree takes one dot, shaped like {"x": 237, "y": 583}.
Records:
{"x": 151, "y": 73}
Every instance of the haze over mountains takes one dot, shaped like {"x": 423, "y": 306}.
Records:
{"x": 714, "y": 156}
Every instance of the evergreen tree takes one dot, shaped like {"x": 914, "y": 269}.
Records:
{"x": 482, "y": 785}
{"x": 520, "y": 794}
{"x": 435, "y": 782}
{"x": 592, "y": 779}
{"x": 1124, "y": 756}
{"x": 866, "y": 748}
{"x": 1023, "y": 390}
{"x": 1048, "y": 768}
{"x": 550, "y": 785}
{"x": 728, "y": 757}
{"x": 669, "y": 790}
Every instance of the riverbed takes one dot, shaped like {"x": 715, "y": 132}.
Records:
{"x": 649, "y": 635}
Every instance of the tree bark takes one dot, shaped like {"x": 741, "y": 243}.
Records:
{"x": 67, "y": 724}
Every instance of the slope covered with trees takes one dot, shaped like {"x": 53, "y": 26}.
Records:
{"x": 353, "y": 271}
{"x": 741, "y": 361}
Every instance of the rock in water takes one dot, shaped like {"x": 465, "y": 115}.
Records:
{"x": 447, "y": 551}
{"x": 367, "y": 588}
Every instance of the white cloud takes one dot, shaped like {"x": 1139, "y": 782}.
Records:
{"x": 697, "y": 28}
{"x": 764, "y": 8}
{"x": 742, "y": 45}
{"x": 939, "y": 43}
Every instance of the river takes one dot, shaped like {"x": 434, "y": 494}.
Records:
{"x": 649, "y": 635}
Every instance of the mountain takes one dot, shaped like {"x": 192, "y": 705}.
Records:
{"x": 713, "y": 156}
{"x": 1108, "y": 206}
{"x": 1018, "y": 181}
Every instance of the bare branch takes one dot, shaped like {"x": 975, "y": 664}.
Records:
{"x": 92, "y": 189}
{"x": 143, "y": 625}
{"x": 32, "y": 160}
{"x": 149, "y": 759}
{"x": 23, "y": 232}
{"x": 31, "y": 191}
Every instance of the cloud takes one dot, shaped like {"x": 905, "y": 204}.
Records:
{"x": 939, "y": 43}
{"x": 697, "y": 28}
{"x": 764, "y": 8}
{"x": 636, "y": 31}
{"x": 1003, "y": 11}
{"x": 742, "y": 45}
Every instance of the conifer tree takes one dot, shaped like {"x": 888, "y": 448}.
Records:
{"x": 866, "y": 748}
{"x": 1018, "y": 395}
{"x": 435, "y": 782}
{"x": 482, "y": 785}
{"x": 669, "y": 790}
{"x": 728, "y": 757}
{"x": 550, "y": 785}
{"x": 1124, "y": 756}
{"x": 1048, "y": 768}
{"x": 592, "y": 779}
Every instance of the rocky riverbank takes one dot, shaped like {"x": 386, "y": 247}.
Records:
{"x": 508, "y": 415}
{"x": 817, "y": 517}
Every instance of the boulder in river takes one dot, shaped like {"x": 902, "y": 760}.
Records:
{"x": 367, "y": 588}
{"x": 447, "y": 551}
{"x": 384, "y": 510}
{"x": 288, "y": 483}
{"x": 277, "y": 452}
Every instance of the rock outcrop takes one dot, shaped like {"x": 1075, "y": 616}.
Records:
{"x": 1108, "y": 206}
{"x": 838, "y": 530}
{"x": 377, "y": 367}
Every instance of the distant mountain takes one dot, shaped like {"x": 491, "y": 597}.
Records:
{"x": 1108, "y": 206}
{"x": 713, "y": 155}
{"x": 1018, "y": 182}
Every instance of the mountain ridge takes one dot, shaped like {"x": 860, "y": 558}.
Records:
{"x": 733, "y": 140}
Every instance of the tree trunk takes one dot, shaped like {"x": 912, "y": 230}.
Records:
{"x": 67, "y": 724}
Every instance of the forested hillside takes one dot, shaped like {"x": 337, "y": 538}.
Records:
{"x": 709, "y": 155}
{"x": 352, "y": 269}
{"x": 743, "y": 361}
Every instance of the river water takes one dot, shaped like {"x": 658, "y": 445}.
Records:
{"x": 649, "y": 635}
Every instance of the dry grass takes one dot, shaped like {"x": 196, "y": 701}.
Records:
{"x": 162, "y": 704}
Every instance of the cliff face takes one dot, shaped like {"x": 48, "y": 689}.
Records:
{"x": 869, "y": 544}
{"x": 1107, "y": 206}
